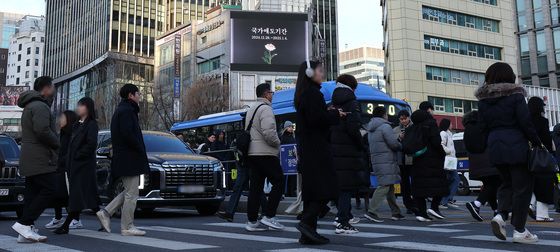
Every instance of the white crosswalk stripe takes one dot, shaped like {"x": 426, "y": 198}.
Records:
{"x": 492, "y": 238}
{"x": 430, "y": 247}
{"x": 395, "y": 227}
{"x": 9, "y": 243}
{"x": 320, "y": 231}
{"x": 217, "y": 234}
{"x": 143, "y": 241}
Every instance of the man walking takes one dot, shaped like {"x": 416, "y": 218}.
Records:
{"x": 263, "y": 161}
{"x": 39, "y": 145}
{"x": 128, "y": 163}
{"x": 405, "y": 162}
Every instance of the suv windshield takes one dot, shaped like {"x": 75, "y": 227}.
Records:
{"x": 165, "y": 143}
{"x": 9, "y": 148}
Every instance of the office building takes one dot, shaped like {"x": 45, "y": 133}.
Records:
{"x": 26, "y": 52}
{"x": 440, "y": 50}
{"x": 325, "y": 20}
{"x": 364, "y": 63}
{"x": 3, "y": 66}
{"x": 538, "y": 33}
{"x": 8, "y": 25}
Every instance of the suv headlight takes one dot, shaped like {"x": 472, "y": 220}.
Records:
{"x": 218, "y": 166}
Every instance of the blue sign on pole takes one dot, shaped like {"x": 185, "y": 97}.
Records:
{"x": 176, "y": 88}
{"x": 288, "y": 158}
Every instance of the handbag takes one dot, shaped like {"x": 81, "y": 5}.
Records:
{"x": 541, "y": 161}
{"x": 450, "y": 163}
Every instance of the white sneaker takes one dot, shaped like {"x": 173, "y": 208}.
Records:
{"x": 525, "y": 237}
{"x": 272, "y": 223}
{"x": 354, "y": 220}
{"x": 435, "y": 214}
{"x": 499, "y": 227}
{"x": 55, "y": 223}
{"x": 28, "y": 232}
{"x": 76, "y": 224}
{"x": 22, "y": 239}
{"x": 133, "y": 231}
{"x": 422, "y": 219}
{"x": 104, "y": 220}
{"x": 255, "y": 226}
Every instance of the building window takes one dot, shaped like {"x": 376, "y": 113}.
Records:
{"x": 33, "y": 39}
{"x": 524, "y": 52}
{"x": 28, "y": 50}
{"x": 455, "y": 106}
{"x": 555, "y": 11}
{"x": 37, "y": 50}
{"x": 26, "y": 74}
{"x": 42, "y": 39}
{"x": 18, "y": 69}
{"x": 36, "y": 62}
{"x": 19, "y": 57}
{"x": 541, "y": 53}
{"x": 544, "y": 82}
{"x": 465, "y": 48}
{"x": 491, "y": 2}
{"x": 35, "y": 74}
{"x": 460, "y": 19}
{"x": 449, "y": 75}
{"x": 209, "y": 65}
{"x": 17, "y": 80}
{"x": 20, "y": 47}
{"x": 27, "y": 62}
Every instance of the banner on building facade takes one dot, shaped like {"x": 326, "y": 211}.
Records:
{"x": 177, "y": 67}
{"x": 10, "y": 94}
{"x": 272, "y": 42}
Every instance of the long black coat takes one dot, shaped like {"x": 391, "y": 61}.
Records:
{"x": 129, "y": 151}
{"x": 346, "y": 142}
{"x": 544, "y": 184}
{"x": 61, "y": 189}
{"x": 81, "y": 166}
{"x": 319, "y": 180}
{"x": 428, "y": 176}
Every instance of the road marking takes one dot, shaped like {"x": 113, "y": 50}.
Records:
{"x": 448, "y": 224}
{"x": 301, "y": 250}
{"x": 221, "y": 234}
{"x": 320, "y": 231}
{"x": 492, "y": 238}
{"x": 396, "y": 227}
{"x": 10, "y": 243}
{"x": 140, "y": 240}
{"x": 430, "y": 247}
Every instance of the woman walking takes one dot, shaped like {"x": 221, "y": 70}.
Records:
{"x": 65, "y": 121}
{"x": 81, "y": 164}
{"x": 504, "y": 112}
{"x": 452, "y": 175}
{"x": 544, "y": 183}
{"x": 480, "y": 167}
{"x": 314, "y": 119}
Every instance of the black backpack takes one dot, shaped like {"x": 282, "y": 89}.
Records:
{"x": 475, "y": 138}
{"x": 243, "y": 139}
{"x": 415, "y": 141}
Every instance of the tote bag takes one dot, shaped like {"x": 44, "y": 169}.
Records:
{"x": 450, "y": 163}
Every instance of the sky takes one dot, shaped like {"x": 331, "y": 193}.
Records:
{"x": 359, "y": 21}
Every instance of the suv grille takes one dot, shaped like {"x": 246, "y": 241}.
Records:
{"x": 9, "y": 173}
{"x": 174, "y": 195}
{"x": 189, "y": 175}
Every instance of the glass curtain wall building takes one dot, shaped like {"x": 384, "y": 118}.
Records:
{"x": 538, "y": 32}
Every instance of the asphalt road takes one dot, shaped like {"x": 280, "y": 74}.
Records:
{"x": 183, "y": 229}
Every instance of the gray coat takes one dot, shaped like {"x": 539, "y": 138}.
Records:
{"x": 383, "y": 148}
{"x": 39, "y": 141}
{"x": 401, "y": 158}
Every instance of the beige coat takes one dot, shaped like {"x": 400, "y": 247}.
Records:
{"x": 264, "y": 135}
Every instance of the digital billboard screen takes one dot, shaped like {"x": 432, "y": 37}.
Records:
{"x": 265, "y": 41}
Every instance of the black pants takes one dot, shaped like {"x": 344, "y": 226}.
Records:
{"x": 489, "y": 192}
{"x": 264, "y": 167}
{"x": 514, "y": 195}
{"x": 344, "y": 206}
{"x": 311, "y": 211}
{"x": 421, "y": 205}
{"x": 544, "y": 188}
{"x": 406, "y": 191}
{"x": 38, "y": 195}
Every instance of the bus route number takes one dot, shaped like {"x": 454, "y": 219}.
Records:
{"x": 391, "y": 110}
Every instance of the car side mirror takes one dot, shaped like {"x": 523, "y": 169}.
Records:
{"x": 104, "y": 152}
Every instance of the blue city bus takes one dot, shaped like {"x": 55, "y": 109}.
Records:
{"x": 195, "y": 131}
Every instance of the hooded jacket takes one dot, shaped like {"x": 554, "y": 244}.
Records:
{"x": 383, "y": 148}
{"x": 505, "y": 115}
{"x": 39, "y": 141}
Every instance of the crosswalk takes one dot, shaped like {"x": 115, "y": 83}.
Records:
{"x": 217, "y": 236}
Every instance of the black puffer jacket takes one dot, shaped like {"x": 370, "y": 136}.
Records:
{"x": 428, "y": 177}
{"x": 505, "y": 114}
{"x": 346, "y": 141}
{"x": 479, "y": 163}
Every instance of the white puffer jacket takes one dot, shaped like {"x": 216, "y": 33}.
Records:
{"x": 447, "y": 143}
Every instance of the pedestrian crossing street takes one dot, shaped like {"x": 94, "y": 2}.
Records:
{"x": 214, "y": 235}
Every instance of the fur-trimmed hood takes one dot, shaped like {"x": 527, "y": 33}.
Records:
{"x": 497, "y": 90}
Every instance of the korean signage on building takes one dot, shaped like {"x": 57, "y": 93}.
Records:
{"x": 177, "y": 67}
{"x": 263, "y": 41}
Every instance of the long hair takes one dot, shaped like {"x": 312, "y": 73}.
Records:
{"x": 303, "y": 82}
{"x": 90, "y": 105}
{"x": 71, "y": 119}
{"x": 536, "y": 106}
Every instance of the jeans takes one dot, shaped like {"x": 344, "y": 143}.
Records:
{"x": 264, "y": 167}
{"x": 453, "y": 179}
{"x": 344, "y": 206}
{"x": 381, "y": 193}
{"x": 240, "y": 184}
{"x": 406, "y": 189}
{"x": 489, "y": 192}
{"x": 515, "y": 194}
{"x": 127, "y": 200}
{"x": 39, "y": 193}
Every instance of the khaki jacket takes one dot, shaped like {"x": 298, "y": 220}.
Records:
{"x": 264, "y": 135}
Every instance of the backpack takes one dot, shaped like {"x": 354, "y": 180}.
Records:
{"x": 244, "y": 138}
{"x": 475, "y": 138}
{"x": 415, "y": 142}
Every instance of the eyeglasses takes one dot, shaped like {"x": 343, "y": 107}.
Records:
{"x": 270, "y": 92}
